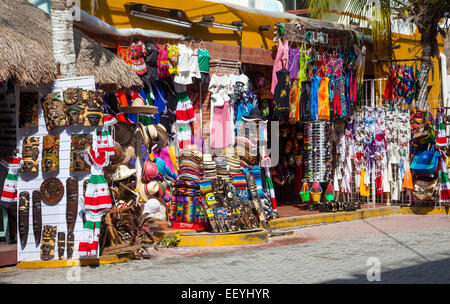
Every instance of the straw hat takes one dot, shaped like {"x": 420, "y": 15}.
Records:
{"x": 149, "y": 171}
{"x": 122, "y": 172}
{"x": 148, "y": 133}
{"x": 155, "y": 208}
{"x": 150, "y": 190}
{"x": 162, "y": 138}
{"x": 123, "y": 132}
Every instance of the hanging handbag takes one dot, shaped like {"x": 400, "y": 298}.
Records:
{"x": 425, "y": 162}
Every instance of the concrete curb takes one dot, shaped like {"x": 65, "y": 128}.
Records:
{"x": 328, "y": 218}
{"x": 72, "y": 263}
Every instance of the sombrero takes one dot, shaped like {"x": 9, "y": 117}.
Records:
{"x": 123, "y": 132}
{"x": 156, "y": 208}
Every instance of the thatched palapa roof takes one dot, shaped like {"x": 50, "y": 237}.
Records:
{"x": 26, "y": 54}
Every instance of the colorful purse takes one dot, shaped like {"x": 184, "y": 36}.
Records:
{"x": 425, "y": 162}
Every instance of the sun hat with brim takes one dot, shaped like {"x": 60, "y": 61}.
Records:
{"x": 161, "y": 138}
{"x": 153, "y": 188}
{"x": 139, "y": 106}
{"x": 148, "y": 134}
{"x": 123, "y": 132}
{"x": 254, "y": 115}
{"x": 122, "y": 172}
{"x": 155, "y": 208}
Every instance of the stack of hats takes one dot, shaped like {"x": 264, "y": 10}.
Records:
{"x": 222, "y": 168}
{"x": 190, "y": 165}
{"x": 209, "y": 167}
{"x": 234, "y": 164}
{"x": 246, "y": 151}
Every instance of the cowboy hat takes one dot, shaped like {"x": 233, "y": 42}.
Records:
{"x": 128, "y": 152}
{"x": 122, "y": 172}
{"x": 162, "y": 138}
{"x": 123, "y": 132}
{"x": 148, "y": 133}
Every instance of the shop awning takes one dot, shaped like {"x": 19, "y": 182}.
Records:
{"x": 27, "y": 55}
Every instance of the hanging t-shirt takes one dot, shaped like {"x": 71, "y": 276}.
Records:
{"x": 239, "y": 78}
{"x": 203, "y": 60}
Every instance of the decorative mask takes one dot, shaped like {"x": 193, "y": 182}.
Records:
{"x": 48, "y": 242}
{"x": 93, "y": 103}
{"x": 80, "y": 142}
{"x": 28, "y": 114}
{"x": 54, "y": 113}
{"x": 50, "y": 153}
{"x": 30, "y": 153}
{"x": 74, "y": 106}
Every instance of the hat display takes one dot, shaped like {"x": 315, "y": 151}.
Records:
{"x": 123, "y": 132}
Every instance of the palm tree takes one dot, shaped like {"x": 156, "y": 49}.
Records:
{"x": 426, "y": 15}
{"x": 62, "y": 35}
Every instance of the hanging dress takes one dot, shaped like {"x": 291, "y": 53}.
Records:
{"x": 282, "y": 56}
{"x": 13, "y": 164}
{"x": 97, "y": 200}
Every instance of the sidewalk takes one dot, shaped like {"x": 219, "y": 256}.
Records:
{"x": 291, "y": 216}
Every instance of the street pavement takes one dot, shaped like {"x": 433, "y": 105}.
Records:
{"x": 394, "y": 249}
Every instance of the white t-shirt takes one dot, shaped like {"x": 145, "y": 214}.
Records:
{"x": 241, "y": 78}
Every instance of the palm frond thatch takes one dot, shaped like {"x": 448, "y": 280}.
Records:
{"x": 27, "y": 56}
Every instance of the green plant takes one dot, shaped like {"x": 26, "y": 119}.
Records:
{"x": 173, "y": 241}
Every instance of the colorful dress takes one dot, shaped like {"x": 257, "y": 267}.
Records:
{"x": 281, "y": 57}
{"x": 173, "y": 59}
{"x": 163, "y": 61}
{"x": 13, "y": 164}
{"x": 97, "y": 200}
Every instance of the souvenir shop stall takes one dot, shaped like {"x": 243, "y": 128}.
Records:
{"x": 338, "y": 148}
{"x": 213, "y": 173}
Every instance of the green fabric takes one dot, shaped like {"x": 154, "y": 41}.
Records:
{"x": 203, "y": 60}
{"x": 146, "y": 120}
{"x": 97, "y": 179}
{"x": 12, "y": 177}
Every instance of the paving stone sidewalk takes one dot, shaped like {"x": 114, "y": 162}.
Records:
{"x": 409, "y": 249}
